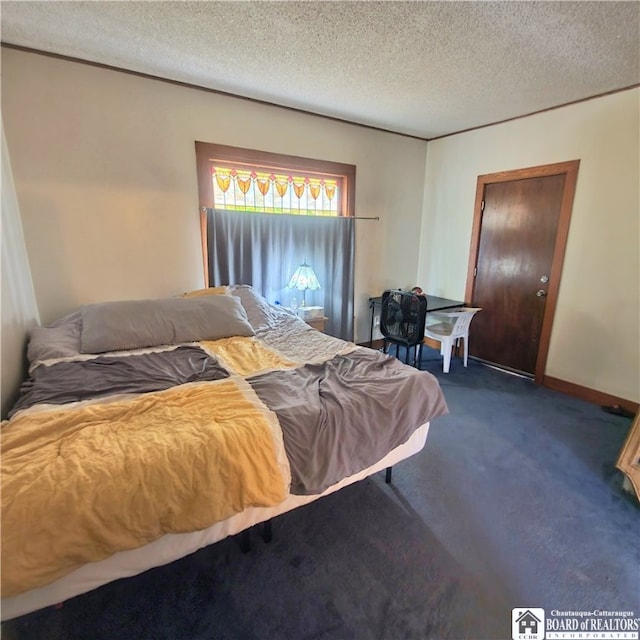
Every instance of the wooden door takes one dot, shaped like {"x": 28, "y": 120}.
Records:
{"x": 520, "y": 231}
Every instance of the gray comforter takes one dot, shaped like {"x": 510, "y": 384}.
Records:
{"x": 75, "y": 381}
{"x": 341, "y": 416}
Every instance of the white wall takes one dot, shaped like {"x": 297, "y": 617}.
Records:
{"x": 104, "y": 165}
{"x": 596, "y": 334}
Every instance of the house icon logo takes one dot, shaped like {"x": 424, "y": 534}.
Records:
{"x": 527, "y": 624}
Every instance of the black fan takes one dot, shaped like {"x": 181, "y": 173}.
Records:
{"x": 402, "y": 320}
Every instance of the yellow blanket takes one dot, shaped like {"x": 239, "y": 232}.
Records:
{"x": 245, "y": 356}
{"x": 172, "y": 461}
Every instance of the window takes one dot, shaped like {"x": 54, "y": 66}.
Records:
{"x": 258, "y": 189}
{"x": 263, "y": 214}
{"x": 257, "y": 181}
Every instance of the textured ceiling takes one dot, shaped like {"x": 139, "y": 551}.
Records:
{"x": 423, "y": 68}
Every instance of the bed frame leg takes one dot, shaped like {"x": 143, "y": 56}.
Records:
{"x": 244, "y": 540}
{"x": 266, "y": 531}
{"x": 387, "y": 476}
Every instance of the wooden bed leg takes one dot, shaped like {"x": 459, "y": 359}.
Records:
{"x": 244, "y": 540}
{"x": 387, "y": 477}
{"x": 266, "y": 531}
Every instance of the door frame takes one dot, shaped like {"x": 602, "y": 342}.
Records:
{"x": 570, "y": 170}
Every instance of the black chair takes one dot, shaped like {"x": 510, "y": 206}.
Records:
{"x": 402, "y": 321}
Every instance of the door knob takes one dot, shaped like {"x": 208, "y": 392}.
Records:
{"x": 541, "y": 293}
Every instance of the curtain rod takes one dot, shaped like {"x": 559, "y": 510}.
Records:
{"x": 205, "y": 209}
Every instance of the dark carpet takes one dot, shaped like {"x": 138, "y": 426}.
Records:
{"x": 514, "y": 502}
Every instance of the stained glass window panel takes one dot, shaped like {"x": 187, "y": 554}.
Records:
{"x": 264, "y": 191}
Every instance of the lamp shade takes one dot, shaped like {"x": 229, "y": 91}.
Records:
{"x": 304, "y": 278}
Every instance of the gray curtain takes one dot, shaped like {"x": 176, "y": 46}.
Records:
{"x": 264, "y": 250}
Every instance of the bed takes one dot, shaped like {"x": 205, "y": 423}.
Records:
{"x": 149, "y": 429}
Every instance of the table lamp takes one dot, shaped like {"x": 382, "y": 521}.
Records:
{"x": 304, "y": 278}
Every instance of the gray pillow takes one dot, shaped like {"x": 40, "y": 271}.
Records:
{"x": 260, "y": 313}
{"x": 59, "y": 340}
{"x": 133, "y": 324}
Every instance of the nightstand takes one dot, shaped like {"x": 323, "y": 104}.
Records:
{"x": 313, "y": 316}
{"x": 317, "y": 323}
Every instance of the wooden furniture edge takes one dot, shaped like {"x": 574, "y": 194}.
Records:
{"x": 318, "y": 323}
{"x": 628, "y": 454}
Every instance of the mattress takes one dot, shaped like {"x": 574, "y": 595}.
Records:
{"x": 172, "y": 547}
